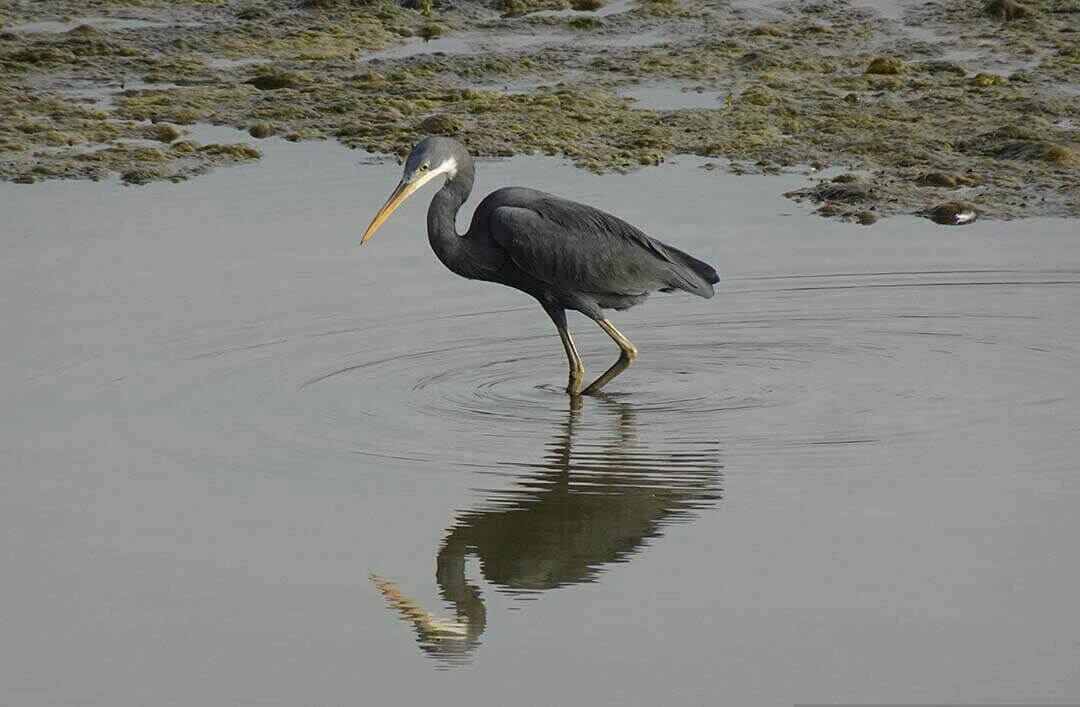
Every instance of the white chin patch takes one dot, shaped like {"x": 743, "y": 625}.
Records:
{"x": 449, "y": 168}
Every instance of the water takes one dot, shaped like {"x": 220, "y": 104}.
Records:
{"x": 849, "y": 477}
{"x": 664, "y": 96}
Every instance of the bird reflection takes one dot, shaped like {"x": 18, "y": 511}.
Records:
{"x": 588, "y": 503}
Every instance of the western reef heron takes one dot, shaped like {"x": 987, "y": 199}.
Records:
{"x": 565, "y": 254}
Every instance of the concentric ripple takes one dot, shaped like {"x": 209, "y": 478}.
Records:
{"x": 850, "y": 359}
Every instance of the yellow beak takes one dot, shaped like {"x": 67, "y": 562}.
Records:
{"x": 403, "y": 191}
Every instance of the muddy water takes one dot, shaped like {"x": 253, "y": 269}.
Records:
{"x": 664, "y": 96}
{"x": 851, "y": 476}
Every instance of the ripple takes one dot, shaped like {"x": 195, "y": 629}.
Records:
{"x": 854, "y": 359}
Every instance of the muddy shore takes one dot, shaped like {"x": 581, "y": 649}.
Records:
{"x": 927, "y": 107}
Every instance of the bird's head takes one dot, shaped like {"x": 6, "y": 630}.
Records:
{"x": 432, "y": 156}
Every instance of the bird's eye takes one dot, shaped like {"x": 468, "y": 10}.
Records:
{"x": 424, "y": 167}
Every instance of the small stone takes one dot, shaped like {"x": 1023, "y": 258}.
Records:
{"x": 953, "y": 213}
{"x": 261, "y": 130}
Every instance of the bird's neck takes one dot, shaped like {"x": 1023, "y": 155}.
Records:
{"x": 442, "y": 215}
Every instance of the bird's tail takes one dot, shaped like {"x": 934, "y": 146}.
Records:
{"x": 691, "y": 274}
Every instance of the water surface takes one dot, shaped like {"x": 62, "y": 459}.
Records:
{"x": 850, "y": 476}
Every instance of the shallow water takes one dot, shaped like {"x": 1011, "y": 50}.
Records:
{"x": 850, "y": 476}
{"x": 664, "y": 96}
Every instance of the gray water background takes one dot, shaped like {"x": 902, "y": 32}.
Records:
{"x": 850, "y": 476}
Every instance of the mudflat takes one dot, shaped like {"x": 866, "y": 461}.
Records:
{"x": 970, "y": 106}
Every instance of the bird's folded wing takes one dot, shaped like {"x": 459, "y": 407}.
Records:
{"x": 577, "y": 247}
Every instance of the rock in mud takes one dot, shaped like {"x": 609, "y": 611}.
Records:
{"x": 261, "y": 130}
{"x": 952, "y": 213}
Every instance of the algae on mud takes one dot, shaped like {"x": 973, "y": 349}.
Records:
{"x": 820, "y": 84}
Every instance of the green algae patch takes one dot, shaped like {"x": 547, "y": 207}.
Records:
{"x": 235, "y": 151}
{"x": 985, "y": 80}
{"x": 583, "y": 23}
{"x": 515, "y": 8}
{"x": 1021, "y": 143}
{"x": 432, "y": 30}
{"x": 885, "y": 65}
{"x": 184, "y": 147}
{"x": 440, "y": 125}
{"x": 1061, "y": 156}
{"x": 163, "y": 132}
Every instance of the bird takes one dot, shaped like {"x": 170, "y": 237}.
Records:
{"x": 566, "y": 255}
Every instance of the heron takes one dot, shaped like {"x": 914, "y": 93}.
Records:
{"x": 566, "y": 255}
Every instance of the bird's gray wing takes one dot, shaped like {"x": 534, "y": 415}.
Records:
{"x": 576, "y": 247}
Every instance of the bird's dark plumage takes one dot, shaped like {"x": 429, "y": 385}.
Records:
{"x": 565, "y": 254}
{"x": 583, "y": 253}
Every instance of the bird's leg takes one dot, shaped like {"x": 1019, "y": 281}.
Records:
{"x": 627, "y": 356}
{"x": 577, "y": 368}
